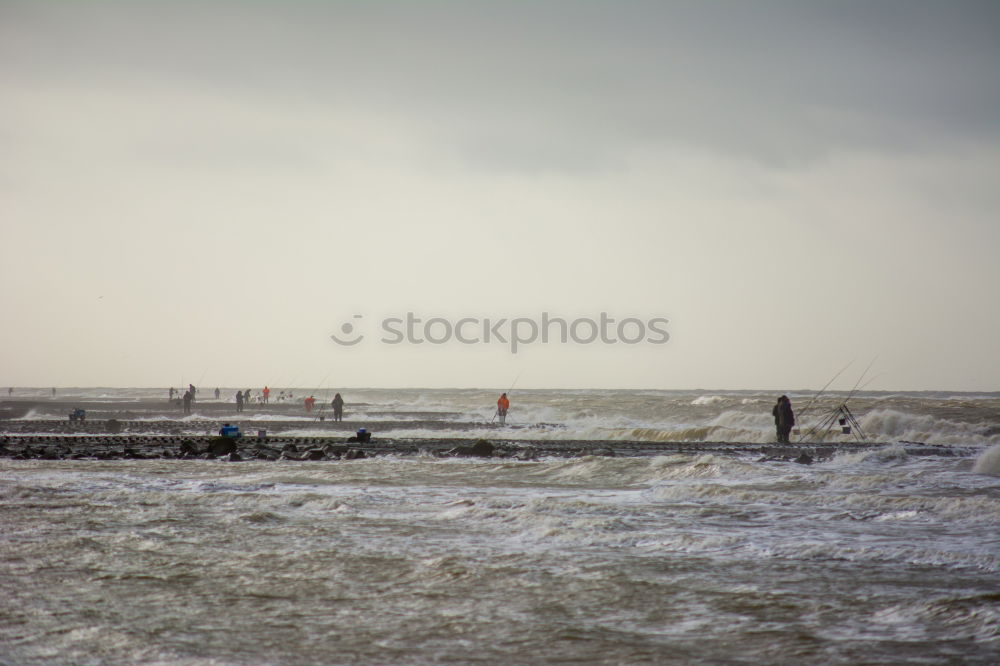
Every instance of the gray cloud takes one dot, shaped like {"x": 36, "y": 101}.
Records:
{"x": 559, "y": 85}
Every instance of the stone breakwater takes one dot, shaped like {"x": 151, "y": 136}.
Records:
{"x": 115, "y": 430}
{"x": 115, "y": 426}
{"x": 187, "y": 447}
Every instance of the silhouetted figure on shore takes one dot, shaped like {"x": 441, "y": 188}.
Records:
{"x": 338, "y": 408}
{"x": 53, "y": 393}
{"x": 784, "y": 418}
{"x": 239, "y": 401}
{"x": 172, "y": 392}
{"x": 192, "y": 390}
{"x": 217, "y": 393}
{"x": 188, "y": 397}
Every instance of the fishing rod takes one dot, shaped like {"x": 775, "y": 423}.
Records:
{"x": 842, "y": 407}
{"x": 322, "y": 384}
{"x": 805, "y": 409}
{"x": 856, "y": 429}
{"x": 291, "y": 382}
{"x": 497, "y": 412}
{"x": 869, "y": 382}
{"x": 273, "y": 386}
{"x": 203, "y": 373}
{"x": 267, "y": 385}
{"x": 857, "y": 383}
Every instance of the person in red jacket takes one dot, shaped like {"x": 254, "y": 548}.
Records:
{"x": 309, "y": 402}
{"x": 267, "y": 394}
{"x": 503, "y": 404}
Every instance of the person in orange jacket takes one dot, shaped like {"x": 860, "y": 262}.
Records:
{"x": 267, "y": 394}
{"x": 503, "y": 404}
{"x": 309, "y": 402}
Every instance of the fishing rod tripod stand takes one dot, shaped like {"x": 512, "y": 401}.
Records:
{"x": 846, "y": 421}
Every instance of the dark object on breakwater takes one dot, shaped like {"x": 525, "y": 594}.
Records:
{"x": 188, "y": 448}
{"x": 362, "y": 436}
{"x": 221, "y": 446}
{"x": 214, "y": 448}
{"x": 481, "y": 449}
{"x": 228, "y": 430}
{"x": 78, "y": 415}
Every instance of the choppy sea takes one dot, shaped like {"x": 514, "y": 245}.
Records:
{"x": 875, "y": 556}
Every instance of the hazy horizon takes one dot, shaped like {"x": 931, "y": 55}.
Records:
{"x": 801, "y": 391}
{"x": 214, "y": 189}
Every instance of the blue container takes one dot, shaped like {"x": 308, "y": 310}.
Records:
{"x": 230, "y": 431}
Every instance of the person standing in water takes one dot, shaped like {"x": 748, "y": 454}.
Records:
{"x": 503, "y": 404}
{"x": 338, "y": 408}
{"x": 266, "y": 393}
{"x": 188, "y": 397}
{"x": 239, "y": 401}
{"x": 784, "y": 418}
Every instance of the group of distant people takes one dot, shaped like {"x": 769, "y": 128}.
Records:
{"x": 261, "y": 398}
{"x": 264, "y": 398}
{"x": 309, "y": 403}
{"x": 244, "y": 397}
{"x": 784, "y": 416}
{"x": 188, "y": 397}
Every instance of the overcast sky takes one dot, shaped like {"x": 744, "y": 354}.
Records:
{"x": 205, "y": 191}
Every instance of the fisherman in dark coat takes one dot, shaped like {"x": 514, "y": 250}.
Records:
{"x": 784, "y": 418}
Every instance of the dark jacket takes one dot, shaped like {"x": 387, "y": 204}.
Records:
{"x": 785, "y": 416}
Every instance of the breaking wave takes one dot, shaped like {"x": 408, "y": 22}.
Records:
{"x": 989, "y": 462}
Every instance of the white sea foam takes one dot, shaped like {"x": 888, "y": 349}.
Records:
{"x": 708, "y": 400}
{"x": 893, "y": 425}
{"x": 988, "y": 462}
{"x": 634, "y": 550}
